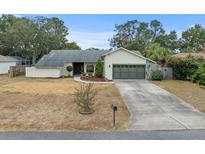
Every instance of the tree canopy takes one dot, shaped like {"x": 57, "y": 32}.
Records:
{"x": 158, "y": 53}
{"x": 193, "y": 39}
{"x": 151, "y": 39}
{"x": 31, "y": 38}
{"x": 136, "y": 35}
{"x": 72, "y": 46}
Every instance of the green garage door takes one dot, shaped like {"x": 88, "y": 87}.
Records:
{"x": 128, "y": 71}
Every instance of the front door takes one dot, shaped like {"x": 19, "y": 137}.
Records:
{"x": 78, "y": 68}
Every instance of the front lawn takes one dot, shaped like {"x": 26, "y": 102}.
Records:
{"x": 186, "y": 90}
{"x": 48, "y": 105}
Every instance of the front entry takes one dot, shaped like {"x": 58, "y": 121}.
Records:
{"x": 78, "y": 68}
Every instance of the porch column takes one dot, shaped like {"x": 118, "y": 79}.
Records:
{"x": 85, "y": 67}
{"x": 94, "y": 68}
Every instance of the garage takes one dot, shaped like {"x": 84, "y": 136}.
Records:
{"x": 125, "y": 64}
{"x": 128, "y": 71}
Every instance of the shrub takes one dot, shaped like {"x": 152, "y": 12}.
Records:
{"x": 90, "y": 74}
{"x": 157, "y": 75}
{"x": 99, "y": 68}
{"x": 202, "y": 82}
{"x": 83, "y": 74}
{"x": 195, "y": 76}
{"x": 85, "y": 98}
{"x": 199, "y": 75}
{"x": 69, "y": 68}
{"x": 183, "y": 68}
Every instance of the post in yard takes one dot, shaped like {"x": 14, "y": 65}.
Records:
{"x": 114, "y": 109}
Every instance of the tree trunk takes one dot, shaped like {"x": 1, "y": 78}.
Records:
{"x": 34, "y": 59}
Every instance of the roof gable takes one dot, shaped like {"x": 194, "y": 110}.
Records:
{"x": 136, "y": 53}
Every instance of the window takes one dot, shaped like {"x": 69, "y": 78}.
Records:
{"x": 90, "y": 68}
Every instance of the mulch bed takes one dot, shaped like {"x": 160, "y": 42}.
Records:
{"x": 96, "y": 79}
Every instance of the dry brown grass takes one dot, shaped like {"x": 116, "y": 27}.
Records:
{"x": 186, "y": 90}
{"x": 48, "y": 105}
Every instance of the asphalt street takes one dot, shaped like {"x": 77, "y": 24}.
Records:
{"x": 125, "y": 135}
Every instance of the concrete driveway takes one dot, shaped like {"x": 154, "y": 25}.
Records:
{"x": 153, "y": 108}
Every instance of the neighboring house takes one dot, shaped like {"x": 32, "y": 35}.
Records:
{"x": 118, "y": 64}
{"x": 7, "y": 61}
{"x": 200, "y": 55}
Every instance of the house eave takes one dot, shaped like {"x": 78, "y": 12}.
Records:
{"x": 48, "y": 67}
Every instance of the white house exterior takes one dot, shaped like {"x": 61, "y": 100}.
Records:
{"x": 43, "y": 73}
{"x": 5, "y": 66}
{"x": 118, "y": 64}
{"x": 6, "y": 62}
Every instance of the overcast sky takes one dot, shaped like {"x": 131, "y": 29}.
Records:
{"x": 96, "y": 30}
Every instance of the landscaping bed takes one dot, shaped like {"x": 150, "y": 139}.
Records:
{"x": 92, "y": 78}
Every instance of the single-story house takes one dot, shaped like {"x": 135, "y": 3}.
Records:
{"x": 118, "y": 64}
{"x": 200, "y": 55}
{"x": 7, "y": 61}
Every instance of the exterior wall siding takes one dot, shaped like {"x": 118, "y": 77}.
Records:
{"x": 5, "y": 66}
{"x": 64, "y": 72}
{"x": 43, "y": 73}
{"x": 120, "y": 57}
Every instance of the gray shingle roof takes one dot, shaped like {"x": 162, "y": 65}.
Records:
{"x": 10, "y": 58}
{"x": 18, "y": 58}
{"x": 57, "y": 58}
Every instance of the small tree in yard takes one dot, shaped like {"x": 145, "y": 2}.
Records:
{"x": 69, "y": 69}
{"x": 99, "y": 68}
{"x": 85, "y": 98}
